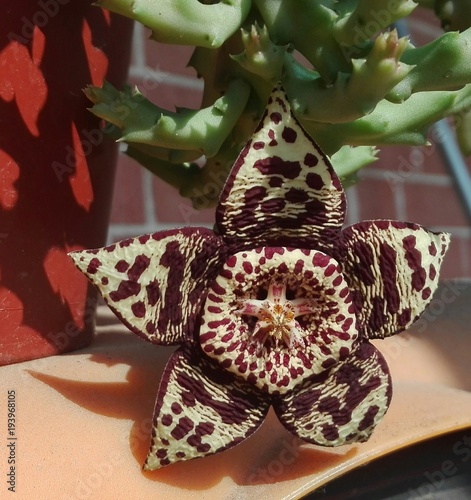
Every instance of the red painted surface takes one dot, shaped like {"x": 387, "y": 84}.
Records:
{"x": 56, "y": 169}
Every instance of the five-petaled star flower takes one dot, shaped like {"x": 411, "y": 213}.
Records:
{"x": 275, "y": 307}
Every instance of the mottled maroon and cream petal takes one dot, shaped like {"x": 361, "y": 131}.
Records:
{"x": 340, "y": 406}
{"x": 156, "y": 284}
{"x": 276, "y": 316}
{"x": 201, "y": 410}
{"x": 393, "y": 269}
{"x": 282, "y": 190}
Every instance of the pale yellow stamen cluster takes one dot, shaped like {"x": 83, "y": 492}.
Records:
{"x": 276, "y": 315}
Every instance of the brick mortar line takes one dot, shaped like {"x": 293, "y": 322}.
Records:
{"x": 409, "y": 178}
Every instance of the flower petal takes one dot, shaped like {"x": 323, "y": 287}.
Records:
{"x": 282, "y": 190}
{"x": 341, "y": 406}
{"x": 393, "y": 269}
{"x": 201, "y": 410}
{"x": 276, "y": 316}
{"x": 156, "y": 283}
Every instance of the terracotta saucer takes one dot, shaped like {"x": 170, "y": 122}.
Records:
{"x": 82, "y": 420}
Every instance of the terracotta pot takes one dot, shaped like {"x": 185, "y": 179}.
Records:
{"x": 56, "y": 168}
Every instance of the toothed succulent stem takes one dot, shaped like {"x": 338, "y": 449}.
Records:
{"x": 352, "y": 83}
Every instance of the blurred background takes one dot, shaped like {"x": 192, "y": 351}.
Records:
{"x": 406, "y": 183}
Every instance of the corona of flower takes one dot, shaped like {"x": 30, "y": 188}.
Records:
{"x": 275, "y": 307}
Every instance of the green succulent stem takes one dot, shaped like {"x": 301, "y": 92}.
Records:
{"x": 184, "y": 22}
{"x": 142, "y": 122}
{"x": 443, "y": 64}
{"x": 352, "y": 83}
{"x": 361, "y": 20}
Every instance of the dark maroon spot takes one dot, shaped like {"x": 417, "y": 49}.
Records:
{"x": 343, "y": 353}
{"x": 274, "y": 165}
{"x": 275, "y": 181}
{"x": 216, "y": 324}
{"x": 231, "y": 261}
{"x": 400, "y": 224}
{"x": 144, "y": 238}
{"x": 330, "y": 432}
{"x": 125, "y": 290}
{"x": 295, "y": 195}
{"x": 382, "y": 224}
{"x": 204, "y": 337}
{"x": 330, "y": 270}
{"x": 183, "y": 427}
{"x": 214, "y": 310}
{"x": 203, "y": 448}
{"x": 311, "y": 160}
{"x": 153, "y": 292}
{"x": 369, "y": 419}
{"x": 387, "y": 267}
{"x": 248, "y": 268}
{"x": 271, "y": 135}
{"x": 258, "y": 145}
{"x": 254, "y": 194}
{"x": 104, "y": 280}
{"x": 126, "y": 243}
{"x": 274, "y": 205}
{"x": 320, "y": 260}
{"x": 337, "y": 281}
{"x": 432, "y": 272}
{"x": 93, "y": 266}
{"x": 108, "y": 248}
{"x": 271, "y": 251}
{"x": 328, "y": 363}
{"x": 204, "y": 429}
{"x": 180, "y": 454}
{"x": 281, "y": 103}
{"x": 275, "y": 117}
{"x": 139, "y": 309}
{"x": 315, "y": 181}
{"x": 317, "y": 210}
{"x": 121, "y": 266}
{"x": 432, "y": 249}
{"x": 414, "y": 261}
{"x": 364, "y": 268}
{"x": 426, "y": 292}
{"x": 167, "y": 420}
{"x": 150, "y": 328}
{"x": 289, "y": 134}
{"x": 403, "y": 319}
{"x": 141, "y": 263}
{"x": 225, "y": 363}
{"x": 161, "y": 453}
{"x": 377, "y": 317}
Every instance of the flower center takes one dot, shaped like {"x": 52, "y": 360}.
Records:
{"x": 276, "y": 315}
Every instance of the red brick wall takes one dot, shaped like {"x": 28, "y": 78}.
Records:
{"x": 406, "y": 183}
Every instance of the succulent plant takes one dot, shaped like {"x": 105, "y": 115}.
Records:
{"x": 352, "y": 82}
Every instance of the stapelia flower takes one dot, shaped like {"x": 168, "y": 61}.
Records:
{"x": 275, "y": 307}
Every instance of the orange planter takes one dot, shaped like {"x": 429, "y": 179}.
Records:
{"x": 56, "y": 169}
